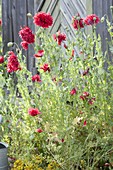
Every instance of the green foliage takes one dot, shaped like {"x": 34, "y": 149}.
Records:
{"x": 77, "y": 133}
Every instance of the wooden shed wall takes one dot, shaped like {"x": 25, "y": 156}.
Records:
{"x": 102, "y": 8}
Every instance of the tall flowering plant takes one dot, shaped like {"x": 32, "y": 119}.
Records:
{"x": 64, "y": 111}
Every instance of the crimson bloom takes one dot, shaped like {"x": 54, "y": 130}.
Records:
{"x": 13, "y": 64}
{"x": 33, "y": 111}
{"x": 39, "y": 130}
{"x": 77, "y": 22}
{"x": 45, "y": 67}
{"x": 10, "y": 52}
{"x": 36, "y": 78}
{"x": 26, "y": 35}
{"x": 43, "y": 19}
{"x": 73, "y": 91}
{"x": 84, "y": 95}
{"x": 59, "y": 37}
{"x": 1, "y": 59}
{"x": 24, "y": 44}
{"x": 91, "y": 19}
{"x": 91, "y": 101}
{"x": 85, "y": 123}
{"x": 39, "y": 54}
{"x": 0, "y": 22}
{"x": 62, "y": 140}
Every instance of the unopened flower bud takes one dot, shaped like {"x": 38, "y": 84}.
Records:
{"x": 111, "y": 7}
{"x": 102, "y": 19}
{"x": 29, "y": 15}
{"x": 17, "y": 50}
{"x": 10, "y": 44}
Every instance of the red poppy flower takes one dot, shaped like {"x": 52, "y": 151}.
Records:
{"x": 91, "y": 101}
{"x": 27, "y": 35}
{"x": 39, "y": 130}
{"x": 77, "y": 22}
{"x": 59, "y": 37}
{"x": 84, "y": 95}
{"x": 91, "y": 19}
{"x": 45, "y": 67}
{"x": 43, "y": 19}
{"x": 36, "y": 78}
{"x": 0, "y": 22}
{"x": 85, "y": 123}
{"x": 33, "y": 111}
{"x": 11, "y": 53}
{"x": 39, "y": 54}
{"x": 73, "y": 91}
{"x": 1, "y": 59}
{"x": 24, "y": 44}
{"x": 107, "y": 164}
{"x": 13, "y": 64}
{"x": 62, "y": 140}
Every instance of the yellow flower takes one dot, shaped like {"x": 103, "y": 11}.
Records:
{"x": 52, "y": 166}
{"x": 38, "y": 159}
{"x": 40, "y": 169}
{"x": 18, "y": 164}
{"x": 28, "y": 166}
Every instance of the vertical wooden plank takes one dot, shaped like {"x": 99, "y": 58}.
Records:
{"x": 6, "y": 24}
{"x": 101, "y": 8}
{"x": 18, "y": 17}
{"x": 30, "y": 58}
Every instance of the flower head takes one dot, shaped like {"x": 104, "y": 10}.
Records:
{"x": 39, "y": 130}
{"x": 77, "y": 22}
{"x": 62, "y": 140}
{"x": 91, "y": 101}
{"x": 43, "y": 19}
{"x": 36, "y": 78}
{"x": 33, "y": 111}
{"x": 26, "y": 35}
{"x": 1, "y": 59}
{"x": 59, "y": 37}
{"x": 24, "y": 44}
{"x": 39, "y": 54}
{"x": 0, "y": 22}
{"x": 45, "y": 67}
{"x": 73, "y": 91}
{"x": 84, "y": 95}
{"x": 91, "y": 19}
{"x": 85, "y": 123}
{"x": 13, "y": 64}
